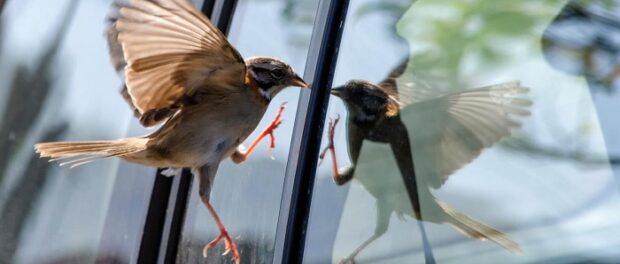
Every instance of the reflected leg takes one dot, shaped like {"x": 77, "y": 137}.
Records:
{"x": 206, "y": 175}
{"x": 330, "y": 146}
{"x": 342, "y": 175}
{"x": 241, "y": 155}
{"x": 381, "y": 226}
{"x": 428, "y": 252}
{"x": 401, "y": 148}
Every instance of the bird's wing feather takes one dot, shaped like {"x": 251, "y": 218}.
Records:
{"x": 172, "y": 51}
{"x": 406, "y": 88}
{"x": 450, "y": 131}
{"x": 115, "y": 48}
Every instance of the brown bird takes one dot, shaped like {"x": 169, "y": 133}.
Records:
{"x": 181, "y": 71}
{"x": 447, "y": 131}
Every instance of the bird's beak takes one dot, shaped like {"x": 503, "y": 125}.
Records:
{"x": 298, "y": 81}
{"x": 337, "y": 91}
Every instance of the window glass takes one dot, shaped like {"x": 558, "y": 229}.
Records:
{"x": 546, "y": 192}
{"x": 57, "y": 84}
{"x": 247, "y": 196}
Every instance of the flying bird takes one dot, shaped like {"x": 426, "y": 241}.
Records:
{"x": 181, "y": 72}
{"x": 438, "y": 133}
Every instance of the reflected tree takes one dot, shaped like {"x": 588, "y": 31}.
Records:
{"x": 485, "y": 21}
{"x": 29, "y": 90}
{"x": 298, "y": 21}
{"x": 581, "y": 40}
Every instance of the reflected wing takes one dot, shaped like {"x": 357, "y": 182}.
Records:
{"x": 448, "y": 132}
{"x": 172, "y": 51}
{"x": 405, "y": 87}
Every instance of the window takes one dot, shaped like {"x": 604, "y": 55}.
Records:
{"x": 58, "y": 85}
{"x": 546, "y": 192}
{"x": 549, "y": 187}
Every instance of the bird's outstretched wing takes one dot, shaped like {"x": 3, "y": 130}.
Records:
{"x": 449, "y": 131}
{"x": 172, "y": 52}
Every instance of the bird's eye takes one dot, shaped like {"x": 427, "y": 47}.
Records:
{"x": 277, "y": 73}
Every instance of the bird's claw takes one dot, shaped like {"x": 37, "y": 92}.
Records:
{"x": 267, "y": 132}
{"x": 229, "y": 246}
{"x": 277, "y": 121}
{"x": 330, "y": 135}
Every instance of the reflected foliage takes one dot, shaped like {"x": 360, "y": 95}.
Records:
{"x": 474, "y": 28}
{"x": 298, "y": 21}
{"x": 582, "y": 40}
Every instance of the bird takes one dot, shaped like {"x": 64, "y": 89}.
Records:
{"x": 182, "y": 74}
{"x": 446, "y": 131}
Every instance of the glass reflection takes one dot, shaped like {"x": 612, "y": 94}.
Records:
{"x": 548, "y": 189}
{"x": 49, "y": 67}
{"x": 448, "y": 131}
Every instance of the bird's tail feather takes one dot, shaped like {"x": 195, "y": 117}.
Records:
{"x": 476, "y": 230}
{"x": 81, "y": 152}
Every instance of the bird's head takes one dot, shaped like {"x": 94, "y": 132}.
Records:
{"x": 365, "y": 101}
{"x": 272, "y": 75}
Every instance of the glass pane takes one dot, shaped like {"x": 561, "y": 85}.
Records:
{"x": 544, "y": 193}
{"x": 247, "y": 196}
{"x": 58, "y": 84}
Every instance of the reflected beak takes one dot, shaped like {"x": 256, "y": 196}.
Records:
{"x": 337, "y": 91}
{"x": 298, "y": 81}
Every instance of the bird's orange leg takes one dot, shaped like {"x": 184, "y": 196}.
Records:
{"x": 229, "y": 244}
{"x": 331, "y": 148}
{"x": 240, "y": 156}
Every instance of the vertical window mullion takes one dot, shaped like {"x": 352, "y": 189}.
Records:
{"x": 307, "y": 133}
{"x": 170, "y": 229}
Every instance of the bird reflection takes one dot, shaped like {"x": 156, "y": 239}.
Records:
{"x": 447, "y": 132}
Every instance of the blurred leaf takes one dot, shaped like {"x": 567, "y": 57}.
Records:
{"x": 490, "y": 55}
{"x": 511, "y": 24}
{"x": 385, "y": 6}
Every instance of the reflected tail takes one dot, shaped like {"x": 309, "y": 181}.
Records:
{"x": 476, "y": 230}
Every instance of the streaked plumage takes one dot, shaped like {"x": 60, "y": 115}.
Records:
{"x": 447, "y": 131}
{"x": 181, "y": 71}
